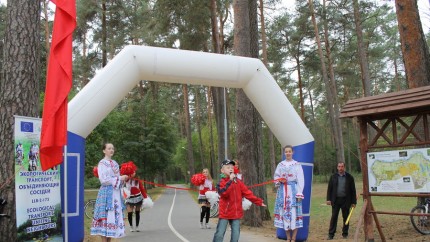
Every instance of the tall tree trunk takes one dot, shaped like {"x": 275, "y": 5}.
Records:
{"x": 330, "y": 86}
{"x": 272, "y": 159}
{"x": 46, "y": 23}
{"x": 19, "y": 94}
{"x": 213, "y": 164}
{"x": 248, "y": 143}
{"x": 414, "y": 46}
{"x": 190, "y": 154}
{"x": 258, "y": 121}
{"x": 215, "y": 30}
{"x": 104, "y": 34}
{"x": 199, "y": 126}
{"x": 218, "y": 92}
{"x": 362, "y": 53}
{"x": 340, "y": 153}
{"x": 299, "y": 77}
{"x": 396, "y": 76}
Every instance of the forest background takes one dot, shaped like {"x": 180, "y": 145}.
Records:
{"x": 173, "y": 131}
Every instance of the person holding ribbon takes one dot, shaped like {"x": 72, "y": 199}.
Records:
{"x": 231, "y": 191}
{"x": 108, "y": 220}
{"x": 288, "y": 204}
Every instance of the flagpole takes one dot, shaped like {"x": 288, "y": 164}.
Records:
{"x": 66, "y": 207}
{"x": 225, "y": 125}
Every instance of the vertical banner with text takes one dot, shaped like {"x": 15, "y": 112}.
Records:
{"x": 38, "y": 197}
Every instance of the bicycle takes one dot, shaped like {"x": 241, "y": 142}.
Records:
{"x": 421, "y": 223}
{"x": 89, "y": 208}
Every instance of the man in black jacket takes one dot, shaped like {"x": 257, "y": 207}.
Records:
{"x": 341, "y": 195}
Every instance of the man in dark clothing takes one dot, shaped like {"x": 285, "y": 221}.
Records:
{"x": 341, "y": 194}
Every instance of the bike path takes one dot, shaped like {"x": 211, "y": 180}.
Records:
{"x": 175, "y": 217}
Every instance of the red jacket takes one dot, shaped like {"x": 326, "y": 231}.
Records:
{"x": 231, "y": 194}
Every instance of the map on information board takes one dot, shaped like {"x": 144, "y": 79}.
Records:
{"x": 399, "y": 171}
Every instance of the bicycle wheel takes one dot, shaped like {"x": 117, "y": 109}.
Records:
{"x": 420, "y": 223}
{"x": 214, "y": 210}
{"x": 89, "y": 208}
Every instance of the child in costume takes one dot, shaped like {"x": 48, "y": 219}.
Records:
{"x": 137, "y": 195}
{"x": 203, "y": 201}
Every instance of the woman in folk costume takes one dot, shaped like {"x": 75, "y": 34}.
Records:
{"x": 288, "y": 203}
{"x": 137, "y": 194}
{"x": 108, "y": 221}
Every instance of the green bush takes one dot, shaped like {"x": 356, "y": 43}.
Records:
{"x": 92, "y": 183}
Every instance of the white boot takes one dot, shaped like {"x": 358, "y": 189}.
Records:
{"x": 207, "y": 226}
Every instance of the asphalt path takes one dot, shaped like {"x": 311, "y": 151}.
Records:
{"x": 175, "y": 216}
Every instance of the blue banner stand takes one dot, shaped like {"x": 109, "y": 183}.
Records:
{"x": 75, "y": 188}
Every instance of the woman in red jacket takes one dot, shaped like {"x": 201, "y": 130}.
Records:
{"x": 134, "y": 202}
{"x": 203, "y": 201}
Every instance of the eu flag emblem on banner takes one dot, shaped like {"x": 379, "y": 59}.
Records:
{"x": 26, "y": 126}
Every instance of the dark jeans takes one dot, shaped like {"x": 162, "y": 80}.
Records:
{"x": 339, "y": 204}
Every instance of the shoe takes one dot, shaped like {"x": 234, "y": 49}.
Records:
{"x": 330, "y": 237}
{"x": 201, "y": 225}
{"x": 207, "y": 226}
{"x": 345, "y": 236}
{"x": 131, "y": 229}
{"x": 137, "y": 229}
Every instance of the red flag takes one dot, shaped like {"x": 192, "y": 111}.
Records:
{"x": 58, "y": 85}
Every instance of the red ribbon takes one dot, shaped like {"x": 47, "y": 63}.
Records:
{"x": 190, "y": 189}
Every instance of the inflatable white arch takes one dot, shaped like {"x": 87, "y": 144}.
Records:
{"x": 134, "y": 63}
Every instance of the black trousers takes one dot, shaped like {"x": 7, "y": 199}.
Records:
{"x": 339, "y": 204}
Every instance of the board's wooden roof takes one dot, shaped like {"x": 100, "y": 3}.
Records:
{"x": 411, "y": 101}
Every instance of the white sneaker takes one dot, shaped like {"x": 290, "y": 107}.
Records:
{"x": 131, "y": 229}
{"x": 202, "y": 226}
{"x": 207, "y": 226}
{"x": 137, "y": 229}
